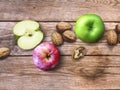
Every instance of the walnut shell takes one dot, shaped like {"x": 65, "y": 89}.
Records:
{"x": 69, "y": 36}
{"x": 4, "y": 52}
{"x": 118, "y": 37}
{"x": 78, "y": 53}
{"x": 112, "y": 37}
{"x": 117, "y": 28}
{"x": 57, "y": 38}
{"x": 63, "y": 26}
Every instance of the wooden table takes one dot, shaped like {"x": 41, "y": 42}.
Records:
{"x": 17, "y": 72}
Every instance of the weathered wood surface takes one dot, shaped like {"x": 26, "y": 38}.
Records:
{"x": 17, "y": 72}
{"x": 58, "y": 10}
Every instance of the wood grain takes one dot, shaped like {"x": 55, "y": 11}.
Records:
{"x": 20, "y": 73}
{"x": 68, "y": 48}
{"x": 17, "y": 72}
{"x": 56, "y": 10}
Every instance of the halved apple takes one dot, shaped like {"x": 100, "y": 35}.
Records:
{"x": 29, "y": 34}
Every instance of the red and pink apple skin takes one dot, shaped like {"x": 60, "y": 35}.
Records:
{"x": 46, "y": 56}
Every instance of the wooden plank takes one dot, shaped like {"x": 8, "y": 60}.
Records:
{"x": 47, "y": 27}
{"x": 56, "y": 10}
{"x": 20, "y": 73}
{"x": 56, "y": 82}
{"x": 7, "y": 39}
{"x": 67, "y": 49}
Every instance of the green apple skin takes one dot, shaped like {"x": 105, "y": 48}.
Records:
{"x": 89, "y": 28}
{"x": 28, "y": 34}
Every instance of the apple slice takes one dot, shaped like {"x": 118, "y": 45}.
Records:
{"x": 21, "y": 27}
{"x": 29, "y": 42}
{"x": 29, "y": 34}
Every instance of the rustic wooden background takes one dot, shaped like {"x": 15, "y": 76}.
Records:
{"x": 17, "y": 72}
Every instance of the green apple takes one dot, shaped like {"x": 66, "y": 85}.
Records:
{"x": 28, "y": 34}
{"x": 89, "y": 28}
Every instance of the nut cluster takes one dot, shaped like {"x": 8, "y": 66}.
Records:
{"x": 63, "y": 33}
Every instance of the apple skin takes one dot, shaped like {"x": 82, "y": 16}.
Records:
{"x": 41, "y": 53}
{"x": 89, "y": 28}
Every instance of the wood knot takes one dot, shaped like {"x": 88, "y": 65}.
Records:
{"x": 92, "y": 68}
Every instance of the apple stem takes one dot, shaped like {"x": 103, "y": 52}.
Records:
{"x": 90, "y": 27}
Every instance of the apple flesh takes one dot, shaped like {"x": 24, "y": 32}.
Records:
{"x": 28, "y": 34}
{"x": 89, "y": 28}
{"x": 46, "y": 56}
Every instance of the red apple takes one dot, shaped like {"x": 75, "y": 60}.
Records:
{"x": 46, "y": 56}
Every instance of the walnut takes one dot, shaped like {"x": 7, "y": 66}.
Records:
{"x": 118, "y": 37}
{"x": 69, "y": 36}
{"x": 63, "y": 26}
{"x": 117, "y": 28}
{"x": 78, "y": 53}
{"x": 4, "y": 52}
{"x": 57, "y": 38}
{"x": 112, "y": 37}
